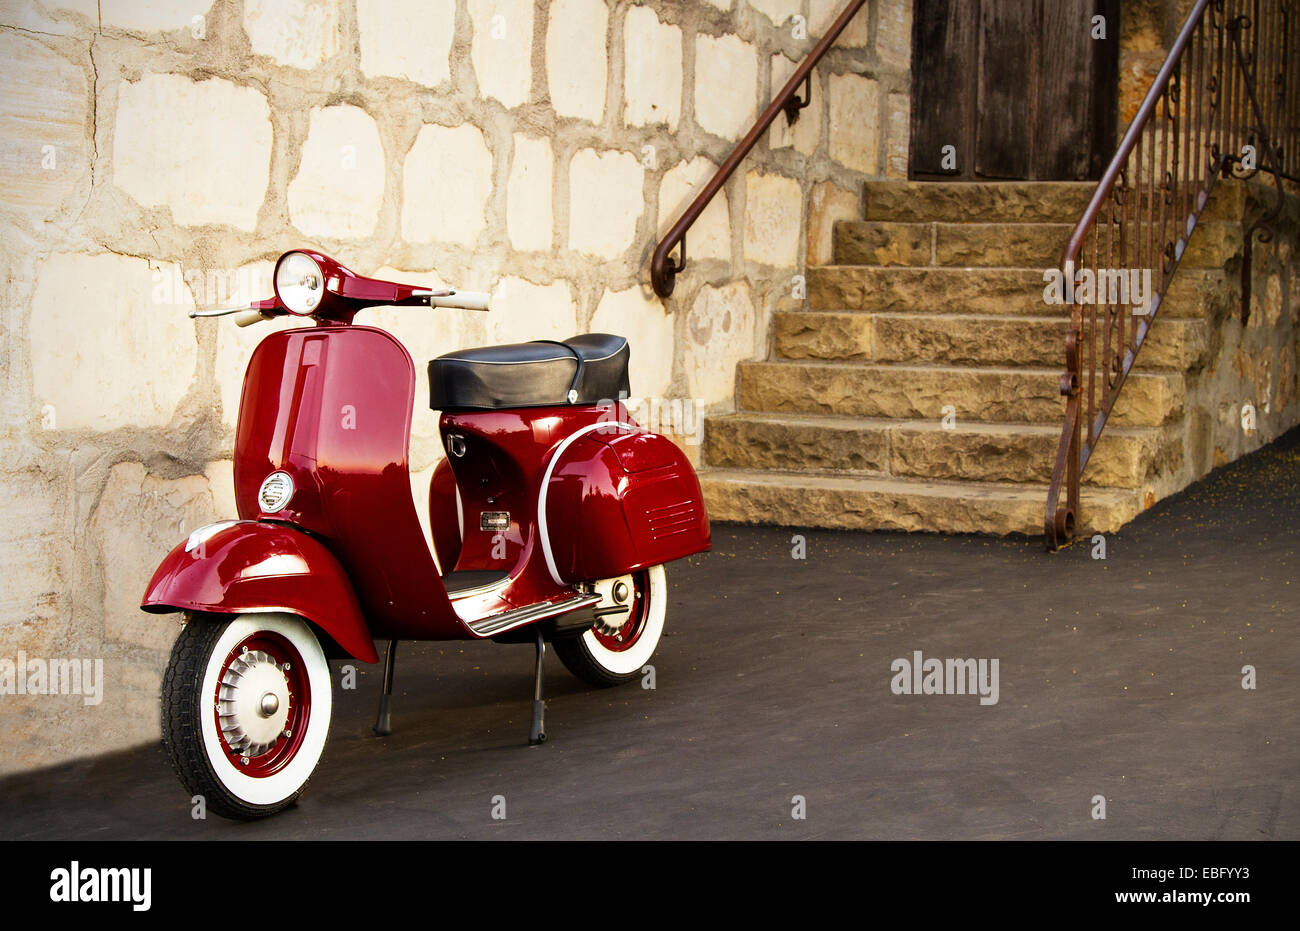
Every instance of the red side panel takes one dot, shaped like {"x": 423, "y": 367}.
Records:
{"x": 503, "y": 457}
{"x": 616, "y": 498}
{"x": 639, "y": 500}
{"x": 641, "y": 452}
{"x": 251, "y": 566}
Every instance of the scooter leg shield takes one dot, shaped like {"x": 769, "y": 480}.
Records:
{"x": 445, "y": 516}
{"x": 616, "y": 502}
{"x": 239, "y": 567}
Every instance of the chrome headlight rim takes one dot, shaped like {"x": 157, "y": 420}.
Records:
{"x": 301, "y": 297}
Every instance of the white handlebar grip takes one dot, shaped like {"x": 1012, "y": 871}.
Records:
{"x": 465, "y": 300}
{"x": 248, "y": 317}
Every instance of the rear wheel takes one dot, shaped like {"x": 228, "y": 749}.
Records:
{"x": 246, "y": 707}
{"x": 618, "y": 647}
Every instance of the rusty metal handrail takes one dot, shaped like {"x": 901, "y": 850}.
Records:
{"x": 663, "y": 269}
{"x": 1205, "y": 105}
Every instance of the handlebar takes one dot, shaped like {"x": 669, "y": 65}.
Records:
{"x": 271, "y": 307}
{"x": 463, "y": 300}
{"x": 249, "y": 317}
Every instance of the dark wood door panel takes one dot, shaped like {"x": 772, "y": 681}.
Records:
{"x": 1005, "y": 77}
{"x": 943, "y": 120}
{"x": 1063, "y": 139}
{"x": 1020, "y": 88}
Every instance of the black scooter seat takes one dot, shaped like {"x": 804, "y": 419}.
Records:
{"x": 586, "y": 369}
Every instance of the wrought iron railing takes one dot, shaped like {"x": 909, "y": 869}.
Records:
{"x": 1226, "y": 102}
{"x": 663, "y": 267}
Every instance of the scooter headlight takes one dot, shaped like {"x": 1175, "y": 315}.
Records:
{"x": 299, "y": 282}
{"x": 275, "y": 492}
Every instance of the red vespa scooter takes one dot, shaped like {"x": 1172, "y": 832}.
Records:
{"x": 552, "y": 516}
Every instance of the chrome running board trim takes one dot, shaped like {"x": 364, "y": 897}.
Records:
{"x": 489, "y": 589}
{"x": 500, "y": 623}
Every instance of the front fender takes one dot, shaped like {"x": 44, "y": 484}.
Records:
{"x": 249, "y": 566}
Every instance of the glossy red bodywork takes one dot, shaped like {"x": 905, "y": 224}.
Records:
{"x": 345, "y": 292}
{"x": 251, "y": 566}
{"x": 444, "y": 515}
{"x": 501, "y": 470}
{"x": 618, "y": 499}
{"x": 641, "y": 493}
{"x": 332, "y": 406}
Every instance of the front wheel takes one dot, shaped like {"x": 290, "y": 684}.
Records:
{"x": 617, "y": 648}
{"x": 246, "y": 707}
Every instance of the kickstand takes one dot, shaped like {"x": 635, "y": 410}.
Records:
{"x": 384, "y": 723}
{"x": 537, "y": 734}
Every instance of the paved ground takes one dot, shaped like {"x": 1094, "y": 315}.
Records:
{"x": 1120, "y": 678}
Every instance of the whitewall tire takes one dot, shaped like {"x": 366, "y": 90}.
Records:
{"x": 246, "y": 707}
{"x": 619, "y": 646}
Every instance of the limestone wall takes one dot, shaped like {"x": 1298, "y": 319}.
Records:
{"x": 156, "y": 155}
{"x": 1247, "y": 393}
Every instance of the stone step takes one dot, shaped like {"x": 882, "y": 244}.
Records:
{"x": 863, "y": 503}
{"x": 1009, "y": 201}
{"x": 997, "y": 245}
{"x": 913, "y": 392}
{"x": 956, "y": 202}
{"x": 1016, "y": 453}
{"x": 965, "y": 339}
{"x": 1008, "y": 291}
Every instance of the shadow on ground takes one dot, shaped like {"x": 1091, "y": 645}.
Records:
{"x": 1119, "y": 678}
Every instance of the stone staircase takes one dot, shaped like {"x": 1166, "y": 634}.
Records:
{"x": 934, "y": 306}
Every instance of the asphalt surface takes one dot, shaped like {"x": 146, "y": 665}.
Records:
{"x": 1119, "y": 678}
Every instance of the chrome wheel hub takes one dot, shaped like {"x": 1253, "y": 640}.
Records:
{"x": 253, "y": 703}
{"x": 617, "y": 592}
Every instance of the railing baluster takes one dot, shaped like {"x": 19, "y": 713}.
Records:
{"x": 1231, "y": 77}
{"x": 1291, "y": 57}
{"x": 1139, "y": 260}
{"x": 1202, "y": 102}
{"x": 1092, "y": 335}
{"x": 1231, "y": 93}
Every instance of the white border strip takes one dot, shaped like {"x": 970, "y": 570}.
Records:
{"x": 546, "y": 481}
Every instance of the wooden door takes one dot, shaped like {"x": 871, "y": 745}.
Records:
{"x": 1013, "y": 89}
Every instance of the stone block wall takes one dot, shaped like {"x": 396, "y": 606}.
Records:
{"x": 157, "y": 155}
{"x": 1247, "y": 391}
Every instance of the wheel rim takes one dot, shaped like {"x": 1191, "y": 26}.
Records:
{"x": 622, "y": 638}
{"x": 262, "y": 704}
